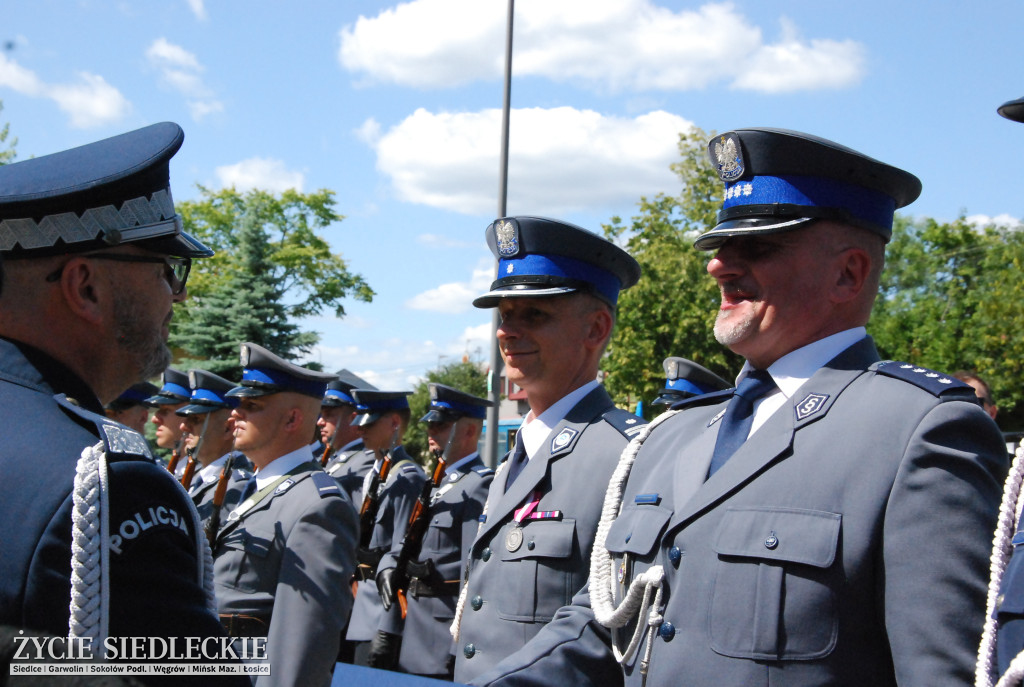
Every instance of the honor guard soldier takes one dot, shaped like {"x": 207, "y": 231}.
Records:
{"x": 347, "y": 458}
{"x": 684, "y": 379}
{"x": 130, "y": 407}
{"x": 425, "y": 567}
{"x": 283, "y": 558}
{"x": 826, "y": 522}
{"x": 94, "y": 258}
{"x": 389, "y": 494}
{"x": 173, "y": 394}
{"x": 215, "y": 474}
{"x": 1001, "y": 655}
{"x": 557, "y": 291}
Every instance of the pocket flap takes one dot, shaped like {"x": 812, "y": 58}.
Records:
{"x": 783, "y": 534}
{"x": 442, "y": 518}
{"x": 637, "y": 529}
{"x": 545, "y": 539}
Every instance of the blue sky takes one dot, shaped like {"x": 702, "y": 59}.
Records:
{"x": 396, "y": 107}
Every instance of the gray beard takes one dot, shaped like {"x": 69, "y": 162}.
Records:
{"x": 147, "y": 349}
{"x": 727, "y": 335}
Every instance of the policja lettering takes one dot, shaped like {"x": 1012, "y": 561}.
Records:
{"x": 138, "y": 523}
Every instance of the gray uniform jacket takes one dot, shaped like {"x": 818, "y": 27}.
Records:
{"x": 349, "y": 467}
{"x": 202, "y": 492}
{"x": 845, "y": 543}
{"x": 397, "y": 498}
{"x": 513, "y": 593}
{"x": 454, "y": 517}
{"x": 288, "y": 560}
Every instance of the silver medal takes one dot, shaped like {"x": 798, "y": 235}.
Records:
{"x": 514, "y": 539}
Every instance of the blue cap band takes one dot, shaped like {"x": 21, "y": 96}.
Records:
{"x": 340, "y": 395}
{"x": 172, "y": 389}
{"x": 209, "y": 397}
{"x": 862, "y": 203}
{"x": 464, "y": 408}
{"x": 387, "y": 404}
{"x": 685, "y": 385}
{"x": 284, "y": 382}
{"x": 604, "y": 282}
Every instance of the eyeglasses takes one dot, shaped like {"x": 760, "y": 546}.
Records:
{"x": 176, "y": 269}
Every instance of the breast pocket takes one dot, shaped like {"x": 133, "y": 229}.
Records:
{"x": 441, "y": 536}
{"x": 775, "y": 585}
{"x": 253, "y": 561}
{"x": 542, "y": 573}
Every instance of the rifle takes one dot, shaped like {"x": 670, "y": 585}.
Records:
{"x": 213, "y": 524}
{"x": 327, "y": 452}
{"x": 172, "y": 463}
{"x": 412, "y": 542}
{"x": 368, "y": 512}
{"x": 190, "y": 466}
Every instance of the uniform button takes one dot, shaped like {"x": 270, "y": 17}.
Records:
{"x": 771, "y": 542}
{"x": 486, "y": 554}
{"x": 469, "y": 651}
{"x": 531, "y": 545}
{"x": 477, "y": 602}
{"x": 674, "y": 556}
{"x": 667, "y": 631}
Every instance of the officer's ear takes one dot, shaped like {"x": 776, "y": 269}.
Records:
{"x": 83, "y": 289}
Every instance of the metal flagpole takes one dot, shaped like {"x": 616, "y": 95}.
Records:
{"x": 494, "y": 388}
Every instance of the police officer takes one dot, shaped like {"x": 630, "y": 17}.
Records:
{"x": 556, "y": 294}
{"x": 684, "y": 379}
{"x": 283, "y": 559}
{"x": 94, "y": 258}
{"x": 827, "y": 521}
{"x": 130, "y": 407}
{"x": 433, "y": 563}
{"x": 382, "y": 420}
{"x": 173, "y": 394}
{"x": 347, "y": 458}
{"x": 1002, "y": 647}
{"x": 209, "y": 432}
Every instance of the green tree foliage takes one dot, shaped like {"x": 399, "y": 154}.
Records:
{"x": 271, "y": 267}
{"x": 465, "y": 376}
{"x": 952, "y": 298}
{"x": 8, "y": 155}
{"x": 672, "y": 309}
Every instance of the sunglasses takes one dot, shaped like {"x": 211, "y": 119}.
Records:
{"x": 176, "y": 269}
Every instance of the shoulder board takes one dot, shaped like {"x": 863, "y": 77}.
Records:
{"x": 117, "y": 439}
{"x": 703, "y": 399}
{"x": 627, "y": 424}
{"x": 934, "y": 382}
{"x": 325, "y": 485}
{"x": 482, "y": 470}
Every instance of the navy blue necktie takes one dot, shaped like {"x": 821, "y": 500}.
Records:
{"x": 250, "y": 489}
{"x": 516, "y": 462}
{"x": 739, "y": 416}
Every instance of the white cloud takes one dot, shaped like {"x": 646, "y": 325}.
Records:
{"x": 182, "y": 71}
{"x": 455, "y": 297}
{"x": 89, "y": 102}
{"x": 605, "y": 45}
{"x": 198, "y": 8}
{"x": 1004, "y": 220}
{"x": 792, "y": 65}
{"x": 267, "y": 174}
{"x": 560, "y": 159}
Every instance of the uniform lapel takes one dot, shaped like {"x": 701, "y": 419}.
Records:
{"x": 811, "y": 402}
{"x": 230, "y": 525}
{"x": 560, "y": 442}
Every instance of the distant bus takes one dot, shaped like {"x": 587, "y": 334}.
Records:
{"x": 506, "y": 436}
